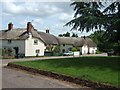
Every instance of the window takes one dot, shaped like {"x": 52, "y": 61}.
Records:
{"x": 9, "y": 41}
{"x": 37, "y": 51}
{"x": 45, "y": 44}
{"x": 35, "y": 42}
{"x": 84, "y": 51}
{"x": 63, "y": 44}
{"x": 63, "y": 50}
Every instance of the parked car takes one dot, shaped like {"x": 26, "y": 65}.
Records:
{"x": 69, "y": 53}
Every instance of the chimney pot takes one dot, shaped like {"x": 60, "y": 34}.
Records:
{"x": 47, "y": 31}
{"x": 10, "y": 26}
{"x": 29, "y": 27}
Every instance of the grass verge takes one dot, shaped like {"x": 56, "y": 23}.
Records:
{"x": 98, "y": 69}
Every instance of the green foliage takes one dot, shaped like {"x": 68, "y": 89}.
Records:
{"x": 56, "y": 49}
{"x": 60, "y": 35}
{"x": 0, "y": 52}
{"x": 74, "y": 35}
{"x": 67, "y": 34}
{"x": 98, "y": 52}
{"x": 7, "y": 53}
{"x": 103, "y": 43}
{"x": 88, "y": 16}
{"x": 117, "y": 48}
{"x": 98, "y": 36}
{"x": 99, "y": 69}
{"x": 74, "y": 49}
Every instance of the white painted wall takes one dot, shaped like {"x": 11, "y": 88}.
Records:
{"x": 92, "y": 50}
{"x": 14, "y": 43}
{"x": 66, "y": 47}
{"x": 30, "y": 48}
{"x": 84, "y": 49}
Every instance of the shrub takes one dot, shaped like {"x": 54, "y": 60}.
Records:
{"x": 74, "y": 49}
{"x": 56, "y": 49}
{"x": 117, "y": 49}
{"x": 98, "y": 52}
{"x": 7, "y": 53}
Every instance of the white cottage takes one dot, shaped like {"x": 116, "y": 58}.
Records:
{"x": 24, "y": 41}
{"x": 30, "y": 42}
{"x": 85, "y": 45}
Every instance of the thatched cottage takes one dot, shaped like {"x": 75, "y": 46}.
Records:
{"x": 31, "y": 42}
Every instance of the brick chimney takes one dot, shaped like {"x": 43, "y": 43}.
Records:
{"x": 10, "y": 26}
{"x": 29, "y": 27}
{"x": 47, "y": 31}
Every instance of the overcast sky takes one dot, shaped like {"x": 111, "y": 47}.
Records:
{"x": 43, "y": 15}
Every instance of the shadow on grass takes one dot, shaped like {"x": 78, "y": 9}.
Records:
{"x": 97, "y": 62}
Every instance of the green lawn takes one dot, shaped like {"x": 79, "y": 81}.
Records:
{"x": 99, "y": 69}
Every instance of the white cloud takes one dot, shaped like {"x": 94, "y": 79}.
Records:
{"x": 43, "y": 15}
{"x": 30, "y": 9}
{"x": 23, "y": 22}
{"x": 65, "y": 17}
{"x": 36, "y": 0}
{"x": 37, "y": 20}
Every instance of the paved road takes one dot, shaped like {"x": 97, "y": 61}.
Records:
{"x": 20, "y": 79}
{"x": 13, "y": 78}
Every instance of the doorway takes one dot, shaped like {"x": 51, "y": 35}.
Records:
{"x": 16, "y": 51}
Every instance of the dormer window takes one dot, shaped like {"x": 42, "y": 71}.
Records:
{"x": 35, "y": 42}
{"x": 9, "y": 41}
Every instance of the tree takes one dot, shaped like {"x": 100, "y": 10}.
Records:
{"x": 102, "y": 41}
{"x": 67, "y": 34}
{"x": 60, "y": 35}
{"x": 74, "y": 35}
{"x": 56, "y": 50}
{"x": 88, "y": 16}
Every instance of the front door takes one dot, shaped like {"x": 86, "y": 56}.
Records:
{"x": 16, "y": 51}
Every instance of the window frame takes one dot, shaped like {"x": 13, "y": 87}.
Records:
{"x": 9, "y": 41}
{"x": 36, "y": 42}
{"x": 37, "y": 51}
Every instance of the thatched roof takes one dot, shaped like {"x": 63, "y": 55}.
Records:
{"x": 90, "y": 42}
{"x": 18, "y": 33}
{"x": 66, "y": 40}
{"x": 21, "y": 34}
{"x": 77, "y": 42}
{"x": 48, "y": 38}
